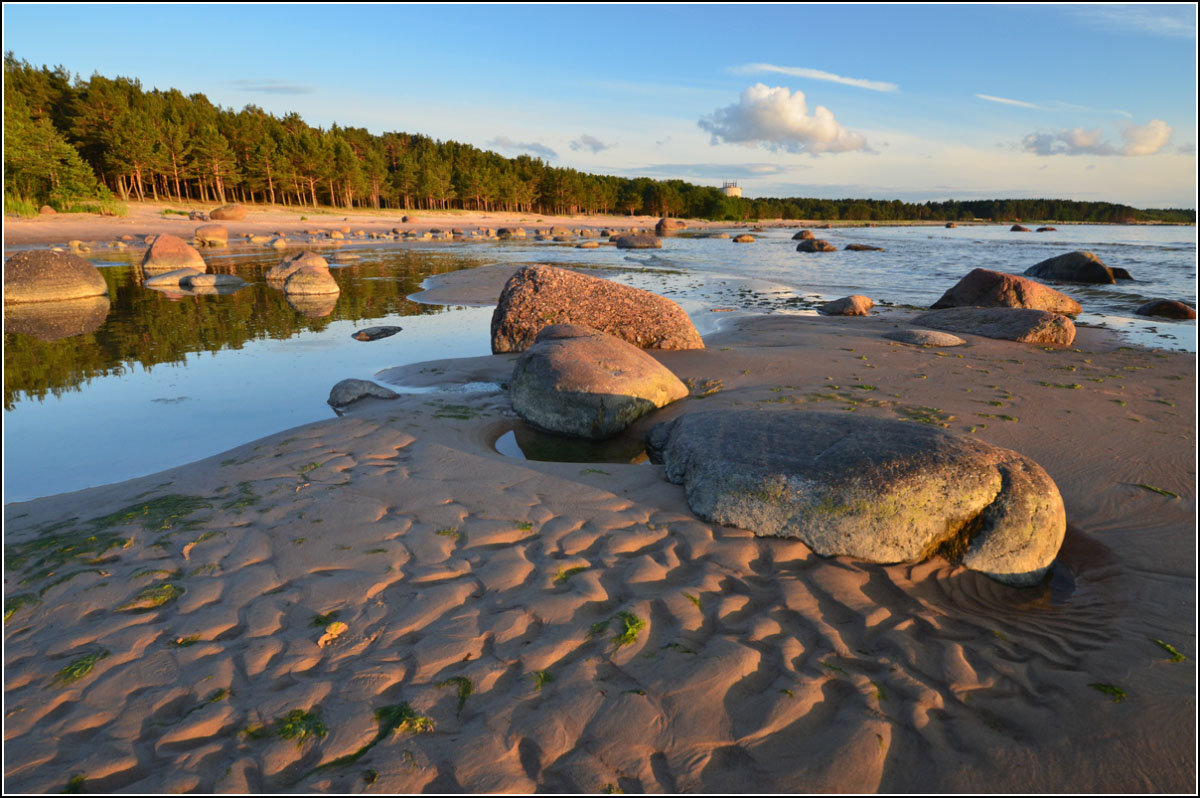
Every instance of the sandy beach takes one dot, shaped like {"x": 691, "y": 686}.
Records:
{"x": 382, "y": 602}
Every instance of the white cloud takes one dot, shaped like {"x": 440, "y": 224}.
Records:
{"x": 535, "y": 147}
{"x": 1006, "y": 101}
{"x": 1055, "y": 105}
{"x": 590, "y": 144}
{"x": 1144, "y": 139}
{"x": 816, "y": 74}
{"x": 1174, "y": 21}
{"x": 779, "y": 120}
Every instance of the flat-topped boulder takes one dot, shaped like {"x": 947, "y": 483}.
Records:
{"x": 311, "y": 280}
{"x": 577, "y": 381}
{"x": 815, "y": 245}
{"x": 1167, "y": 309}
{"x": 991, "y": 289}
{"x": 43, "y": 275}
{"x": 639, "y": 241}
{"x": 924, "y": 337}
{"x": 228, "y": 213}
{"x": 170, "y": 252}
{"x": 350, "y": 391}
{"x": 874, "y": 489}
{"x": 169, "y": 279}
{"x": 538, "y": 296}
{"x": 278, "y": 274}
{"x": 862, "y": 248}
{"x": 1011, "y": 324}
{"x": 1047, "y": 230}
{"x": 1075, "y": 267}
{"x": 853, "y": 305}
{"x": 212, "y": 281}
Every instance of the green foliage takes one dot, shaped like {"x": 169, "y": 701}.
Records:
{"x": 299, "y": 725}
{"x": 541, "y": 679}
{"x": 464, "y": 687}
{"x": 79, "y": 668}
{"x": 1176, "y": 656}
{"x": 1159, "y": 491}
{"x": 1118, "y": 695}
{"x": 152, "y": 597}
{"x": 14, "y": 604}
{"x": 76, "y": 783}
{"x": 631, "y": 626}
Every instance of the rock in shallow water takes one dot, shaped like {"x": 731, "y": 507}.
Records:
{"x": 40, "y": 275}
{"x": 874, "y": 489}
{"x": 349, "y": 391}
{"x": 1077, "y": 267}
{"x": 375, "y": 333}
{"x": 853, "y": 305}
{"x": 170, "y": 252}
{"x": 537, "y": 296}
{"x": 577, "y": 381}
{"x": 1167, "y": 309}
{"x": 992, "y": 289}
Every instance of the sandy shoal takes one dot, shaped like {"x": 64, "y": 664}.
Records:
{"x": 760, "y": 667}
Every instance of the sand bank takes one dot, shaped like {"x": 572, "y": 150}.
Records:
{"x": 484, "y": 596}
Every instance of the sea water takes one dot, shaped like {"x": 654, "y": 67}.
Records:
{"x": 167, "y": 379}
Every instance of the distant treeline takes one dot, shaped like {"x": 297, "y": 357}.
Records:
{"x": 71, "y": 139}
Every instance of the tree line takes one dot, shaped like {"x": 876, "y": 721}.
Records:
{"x": 70, "y": 139}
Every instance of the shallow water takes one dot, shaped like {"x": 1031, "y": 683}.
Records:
{"x": 165, "y": 380}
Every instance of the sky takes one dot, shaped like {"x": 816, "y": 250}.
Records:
{"x": 911, "y": 102}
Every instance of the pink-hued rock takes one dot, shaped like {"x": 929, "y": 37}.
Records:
{"x": 311, "y": 280}
{"x": 228, "y": 213}
{"x": 212, "y": 235}
{"x": 1166, "y": 308}
{"x": 1012, "y": 324}
{"x": 538, "y": 296}
{"x": 853, "y": 305}
{"x": 278, "y": 274}
{"x": 990, "y": 289}
{"x": 169, "y": 252}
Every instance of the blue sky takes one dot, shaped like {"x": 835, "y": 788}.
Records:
{"x": 912, "y": 102}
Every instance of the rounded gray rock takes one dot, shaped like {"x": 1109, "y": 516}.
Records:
{"x": 577, "y": 381}
{"x": 924, "y": 337}
{"x": 351, "y": 390}
{"x": 42, "y": 275}
{"x": 874, "y": 489}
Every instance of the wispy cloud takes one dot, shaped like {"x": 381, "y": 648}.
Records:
{"x": 1144, "y": 139}
{"x": 270, "y": 86}
{"x": 535, "y": 147}
{"x": 712, "y": 171}
{"x": 779, "y": 120}
{"x": 1177, "y": 21}
{"x": 1054, "y": 105}
{"x": 815, "y": 74}
{"x": 586, "y": 143}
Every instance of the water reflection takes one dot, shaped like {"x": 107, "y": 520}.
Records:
{"x": 53, "y": 350}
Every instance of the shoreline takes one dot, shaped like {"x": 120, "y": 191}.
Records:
{"x": 827, "y": 675}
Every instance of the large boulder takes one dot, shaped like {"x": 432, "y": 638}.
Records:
{"x": 42, "y": 275}
{"x": 815, "y": 245}
{"x": 1016, "y": 228}
{"x": 638, "y": 241}
{"x": 1166, "y": 308}
{"x": 744, "y": 238}
{"x": 349, "y": 391}
{"x": 277, "y": 275}
{"x": 170, "y": 252}
{"x": 577, "y": 381}
{"x": 1074, "y": 267}
{"x": 668, "y": 227}
{"x": 853, "y": 305}
{"x": 212, "y": 235}
{"x": 874, "y": 489}
{"x": 804, "y": 235}
{"x": 228, "y": 213}
{"x": 1011, "y": 324}
{"x": 311, "y": 280}
{"x": 989, "y": 289}
{"x": 538, "y": 296}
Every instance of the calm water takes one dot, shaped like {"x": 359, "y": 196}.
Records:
{"x": 165, "y": 380}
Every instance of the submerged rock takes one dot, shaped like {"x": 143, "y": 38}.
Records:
{"x": 42, "y": 275}
{"x": 1075, "y": 267}
{"x": 537, "y": 296}
{"x": 863, "y": 248}
{"x": 639, "y": 241}
{"x": 874, "y": 489}
{"x": 1011, "y": 324}
{"x": 986, "y": 288}
{"x": 212, "y": 281}
{"x": 172, "y": 278}
{"x": 349, "y": 391}
{"x": 375, "y": 333}
{"x": 815, "y": 245}
{"x": 853, "y": 305}
{"x": 577, "y": 381}
{"x": 170, "y": 252}
{"x": 1166, "y": 308}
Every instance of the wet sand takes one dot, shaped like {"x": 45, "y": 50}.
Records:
{"x": 482, "y": 597}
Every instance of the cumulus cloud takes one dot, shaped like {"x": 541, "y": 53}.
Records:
{"x": 779, "y": 120}
{"x": 1144, "y": 139}
{"x": 816, "y": 74}
{"x": 535, "y": 147}
{"x": 710, "y": 171}
{"x": 586, "y": 143}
